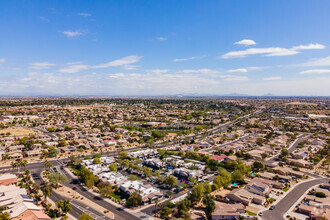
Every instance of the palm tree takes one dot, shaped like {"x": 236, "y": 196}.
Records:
{"x": 48, "y": 164}
{"x": 13, "y": 165}
{"x": 156, "y": 204}
{"x": 47, "y": 191}
{"x": 24, "y": 163}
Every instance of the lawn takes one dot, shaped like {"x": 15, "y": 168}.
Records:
{"x": 286, "y": 189}
{"x": 16, "y": 131}
{"x": 251, "y": 213}
{"x": 116, "y": 195}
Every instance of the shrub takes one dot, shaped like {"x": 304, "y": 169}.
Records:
{"x": 320, "y": 195}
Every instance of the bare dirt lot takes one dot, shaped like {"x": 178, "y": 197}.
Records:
{"x": 17, "y": 131}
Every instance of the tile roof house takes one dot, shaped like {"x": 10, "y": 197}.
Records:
{"x": 218, "y": 158}
{"x": 245, "y": 197}
{"x": 227, "y": 211}
{"x": 258, "y": 188}
{"x": 7, "y": 179}
{"x": 32, "y": 215}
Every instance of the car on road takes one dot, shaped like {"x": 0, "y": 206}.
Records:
{"x": 260, "y": 214}
{"x": 272, "y": 207}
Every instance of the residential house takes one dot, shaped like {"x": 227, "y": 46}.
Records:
{"x": 224, "y": 211}
{"x": 8, "y": 179}
{"x": 245, "y": 197}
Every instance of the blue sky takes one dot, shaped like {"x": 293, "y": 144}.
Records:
{"x": 164, "y": 47}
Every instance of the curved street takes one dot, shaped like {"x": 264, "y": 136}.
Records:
{"x": 290, "y": 199}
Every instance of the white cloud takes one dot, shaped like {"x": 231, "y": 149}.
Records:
{"x": 116, "y": 75}
{"x": 272, "y": 78}
{"x": 72, "y": 34}
{"x": 2, "y": 60}
{"x": 158, "y": 71}
{"x": 74, "y": 68}
{"x": 308, "y": 47}
{"x": 198, "y": 71}
{"x": 246, "y": 42}
{"x": 130, "y": 67}
{"x": 161, "y": 38}
{"x": 84, "y": 14}
{"x": 189, "y": 58}
{"x": 41, "y": 65}
{"x": 240, "y": 70}
{"x": 318, "y": 62}
{"x": 271, "y": 51}
{"x": 120, "y": 62}
{"x": 230, "y": 78}
{"x": 316, "y": 71}
{"x": 282, "y": 53}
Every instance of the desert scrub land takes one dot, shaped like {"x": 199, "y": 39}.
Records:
{"x": 16, "y": 132}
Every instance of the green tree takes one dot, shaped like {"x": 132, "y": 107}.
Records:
{"x": 165, "y": 213}
{"x": 197, "y": 193}
{"x": 88, "y": 177}
{"x": 225, "y": 177}
{"x": 237, "y": 176}
{"x": 242, "y": 168}
{"x": 53, "y": 151}
{"x": 122, "y": 155}
{"x": 56, "y": 178}
{"x": 64, "y": 206}
{"x": 171, "y": 180}
{"x": 134, "y": 200}
{"x": 75, "y": 160}
{"x": 97, "y": 161}
{"x": 105, "y": 189}
{"x": 113, "y": 167}
{"x": 48, "y": 164}
{"x": 207, "y": 187}
{"x": 284, "y": 152}
{"x": 156, "y": 173}
{"x": 257, "y": 165}
{"x": 23, "y": 163}
{"x": 124, "y": 163}
{"x": 5, "y": 216}
{"x": 147, "y": 171}
{"x": 47, "y": 191}
{"x": 209, "y": 203}
{"x": 84, "y": 216}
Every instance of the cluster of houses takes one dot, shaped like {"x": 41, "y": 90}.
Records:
{"x": 316, "y": 207}
{"x": 127, "y": 187}
{"x": 254, "y": 191}
{"x": 18, "y": 203}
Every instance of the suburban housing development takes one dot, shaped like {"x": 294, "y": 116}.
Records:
{"x": 169, "y": 158}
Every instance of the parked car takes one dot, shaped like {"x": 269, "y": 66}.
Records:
{"x": 272, "y": 207}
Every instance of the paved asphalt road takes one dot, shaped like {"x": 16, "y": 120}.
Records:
{"x": 290, "y": 199}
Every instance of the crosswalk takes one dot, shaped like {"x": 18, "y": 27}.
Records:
{"x": 88, "y": 211}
